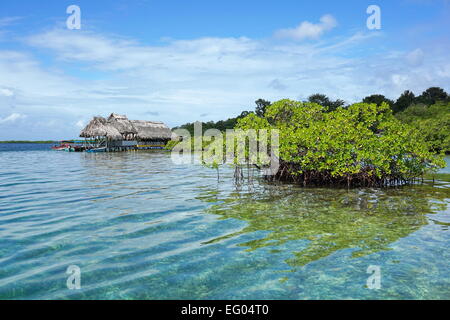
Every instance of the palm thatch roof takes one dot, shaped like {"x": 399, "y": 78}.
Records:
{"x": 118, "y": 127}
{"x": 99, "y": 127}
{"x": 147, "y": 130}
{"x": 121, "y": 123}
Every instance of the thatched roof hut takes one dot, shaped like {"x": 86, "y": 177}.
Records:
{"x": 99, "y": 127}
{"x": 151, "y": 130}
{"x": 122, "y": 124}
{"x": 118, "y": 127}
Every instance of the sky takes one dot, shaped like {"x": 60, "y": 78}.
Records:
{"x": 182, "y": 61}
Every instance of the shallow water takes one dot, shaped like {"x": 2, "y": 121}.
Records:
{"x": 142, "y": 227}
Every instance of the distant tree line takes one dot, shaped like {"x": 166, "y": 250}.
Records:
{"x": 407, "y": 98}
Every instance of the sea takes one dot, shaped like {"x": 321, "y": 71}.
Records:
{"x": 139, "y": 225}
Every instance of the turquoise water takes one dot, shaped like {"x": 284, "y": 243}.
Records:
{"x": 141, "y": 227}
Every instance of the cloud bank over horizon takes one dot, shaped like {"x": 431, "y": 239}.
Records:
{"x": 54, "y": 80}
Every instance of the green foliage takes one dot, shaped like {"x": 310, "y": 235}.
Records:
{"x": 432, "y": 95}
{"x": 261, "y": 106}
{"x": 221, "y": 125}
{"x": 323, "y": 100}
{"x": 432, "y": 121}
{"x": 419, "y": 112}
{"x": 404, "y": 101}
{"x": 364, "y": 143}
{"x": 429, "y": 97}
{"x": 378, "y": 99}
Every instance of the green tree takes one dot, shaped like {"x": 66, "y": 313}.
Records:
{"x": 221, "y": 125}
{"x": 323, "y": 100}
{"x": 406, "y": 99}
{"x": 244, "y": 114}
{"x": 362, "y": 145}
{"x": 432, "y": 95}
{"x": 336, "y": 104}
{"x": 432, "y": 121}
{"x": 378, "y": 99}
{"x": 261, "y": 106}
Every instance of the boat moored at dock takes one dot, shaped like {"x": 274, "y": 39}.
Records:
{"x": 70, "y": 146}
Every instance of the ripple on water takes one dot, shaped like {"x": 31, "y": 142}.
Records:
{"x": 142, "y": 227}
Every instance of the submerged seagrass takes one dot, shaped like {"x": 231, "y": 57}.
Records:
{"x": 140, "y": 227}
{"x": 362, "y": 219}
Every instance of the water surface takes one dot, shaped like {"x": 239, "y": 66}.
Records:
{"x": 142, "y": 227}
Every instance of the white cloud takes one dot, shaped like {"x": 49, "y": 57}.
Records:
{"x": 6, "y": 92}
{"x": 13, "y": 117}
{"x": 180, "y": 80}
{"x": 80, "y": 124}
{"x": 6, "y": 21}
{"x": 308, "y": 30}
{"x": 399, "y": 80}
{"x": 183, "y": 78}
{"x": 415, "y": 57}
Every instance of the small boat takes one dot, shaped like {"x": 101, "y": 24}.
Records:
{"x": 62, "y": 147}
{"x": 69, "y": 146}
{"x": 97, "y": 150}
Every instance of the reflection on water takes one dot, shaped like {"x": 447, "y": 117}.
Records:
{"x": 368, "y": 220}
{"x": 142, "y": 227}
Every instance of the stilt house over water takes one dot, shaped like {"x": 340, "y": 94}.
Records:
{"x": 118, "y": 133}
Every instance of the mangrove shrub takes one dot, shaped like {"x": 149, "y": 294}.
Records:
{"x": 361, "y": 145}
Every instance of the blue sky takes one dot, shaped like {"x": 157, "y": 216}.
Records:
{"x": 180, "y": 61}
